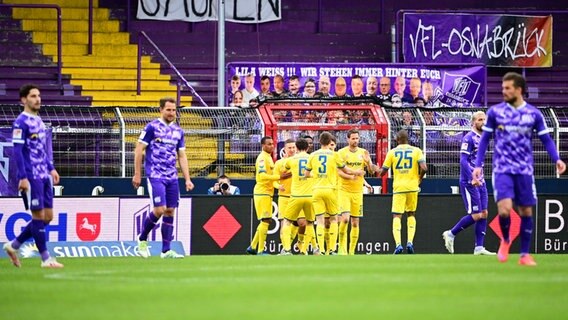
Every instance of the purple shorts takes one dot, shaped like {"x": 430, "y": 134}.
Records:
{"x": 164, "y": 192}
{"x": 40, "y": 195}
{"x": 518, "y": 187}
{"x": 474, "y": 198}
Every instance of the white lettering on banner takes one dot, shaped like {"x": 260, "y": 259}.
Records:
{"x": 430, "y": 74}
{"x": 548, "y": 215}
{"x": 480, "y": 42}
{"x": 241, "y": 11}
{"x": 555, "y": 245}
{"x": 401, "y": 72}
{"x": 270, "y": 72}
{"x": 369, "y": 72}
{"x": 274, "y": 217}
{"x": 373, "y": 247}
{"x": 308, "y": 72}
{"x": 243, "y": 71}
{"x": 336, "y": 72}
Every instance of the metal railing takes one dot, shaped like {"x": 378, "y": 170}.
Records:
{"x": 180, "y": 77}
{"x": 46, "y": 6}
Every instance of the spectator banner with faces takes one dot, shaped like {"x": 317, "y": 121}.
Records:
{"x": 250, "y": 11}
{"x": 401, "y": 84}
{"x": 491, "y": 39}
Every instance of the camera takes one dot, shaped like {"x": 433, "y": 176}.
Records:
{"x": 224, "y": 186}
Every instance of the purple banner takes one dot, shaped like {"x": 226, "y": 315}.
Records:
{"x": 400, "y": 84}
{"x": 495, "y": 40}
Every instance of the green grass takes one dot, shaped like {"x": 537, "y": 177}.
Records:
{"x": 290, "y": 287}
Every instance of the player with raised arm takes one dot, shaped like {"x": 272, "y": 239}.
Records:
{"x": 473, "y": 191}
{"x": 323, "y": 165}
{"x": 36, "y": 175}
{"x": 263, "y": 193}
{"x": 512, "y": 123}
{"x": 409, "y": 167}
{"x": 160, "y": 144}
{"x": 351, "y": 191}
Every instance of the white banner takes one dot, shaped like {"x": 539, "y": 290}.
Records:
{"x": 94, "y": 219}
{"x": 240, "y": 11}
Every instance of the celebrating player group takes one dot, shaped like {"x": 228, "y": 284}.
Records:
{"x": 320, "y": 192}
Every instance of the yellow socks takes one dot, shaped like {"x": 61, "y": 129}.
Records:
{"x": 285, "y": 239}
{"x": 326, "y": 237}
{"x": 354, "y": 238}
{"x": 293, "y": 232}
{"x": 343, "y": 226}
{"x": 261, "y": 230}
{"x": 311, "y": 231}
{"x": 396, "y": 226}
{"x": 254, "y": 242}
{"x": 411, "y": 228}
{"x": 320, "y": 234}
{"x": 333, "y": 231}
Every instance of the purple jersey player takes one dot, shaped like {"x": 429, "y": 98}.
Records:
{"x": 513, "y": 122}
{"x": 36, "y": 175}
{"x": 473, "y": 191}
{"x": 161, "y": 143}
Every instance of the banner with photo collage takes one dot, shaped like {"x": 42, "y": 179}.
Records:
{"x": 402, "y": 84}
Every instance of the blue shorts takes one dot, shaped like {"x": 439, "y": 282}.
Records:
{"x": 40, "y": 195}
{"x": 474, "y": 198}
{"x": 518, "y": 187}
{"x": 164, "y": 192}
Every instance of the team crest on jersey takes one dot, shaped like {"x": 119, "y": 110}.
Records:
{"x": 527, "y": 118}
{"x": 17, "y": 134}
{"x": 34, "y": 136}
{"x": 176, "y": 135}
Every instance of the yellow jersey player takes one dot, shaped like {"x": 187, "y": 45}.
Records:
{"x": 409, "y": 167}
{"x": 300, "y": 201}
{"x": 324, "y": 219}
{"x": 351, "y": 191}
{"x": 263, "y": 193}
{"x": 314, "y": 244}
{"x": 284, "y": 186}
{"x": 323, "y": 165}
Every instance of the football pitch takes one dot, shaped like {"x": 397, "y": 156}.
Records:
{"x": 287, "y": 287}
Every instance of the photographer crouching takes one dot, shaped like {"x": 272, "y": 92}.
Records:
{"x": 224, "y": 187}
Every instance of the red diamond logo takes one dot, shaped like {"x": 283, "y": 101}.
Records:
{"x": 514, "y": 229}
{"x": 222, "y": 226}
